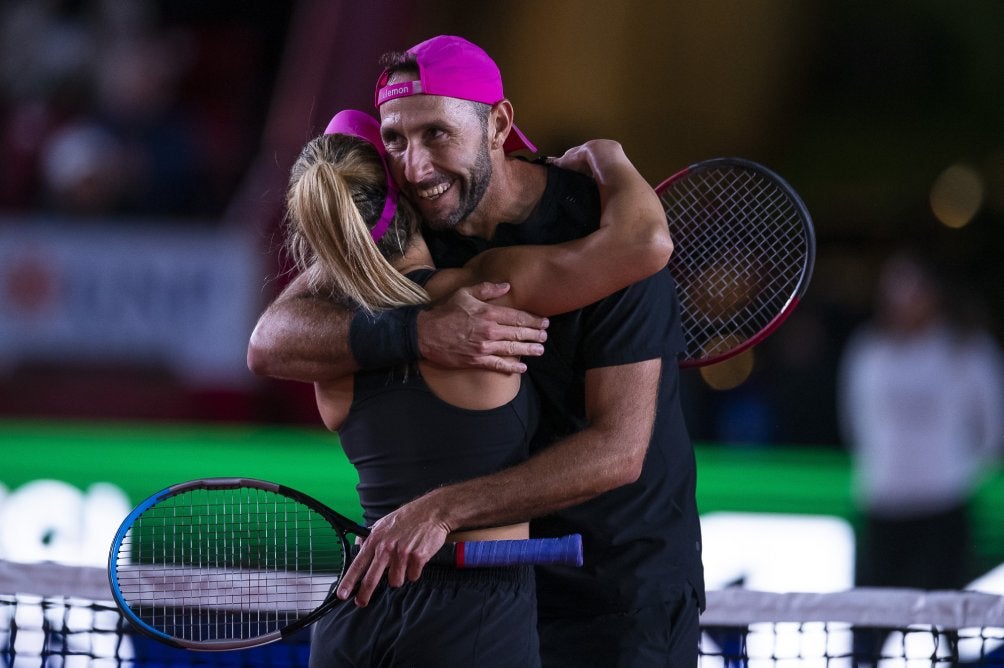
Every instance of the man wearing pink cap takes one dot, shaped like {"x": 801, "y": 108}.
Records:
{"x": 612, "y": 460}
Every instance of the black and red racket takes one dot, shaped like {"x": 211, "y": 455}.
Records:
{"x": 744, "y": 249}
{"x": 230, "y": 563}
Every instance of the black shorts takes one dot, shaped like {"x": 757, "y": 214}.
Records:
{"x": 449, "y": 617}
{"x": 664, "y": 635}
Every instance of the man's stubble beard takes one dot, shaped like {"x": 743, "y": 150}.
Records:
{"x": 473, "y": 191}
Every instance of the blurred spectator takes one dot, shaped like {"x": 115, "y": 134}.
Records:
{"x": 46, "y": 56}
{"x": 82, "y": 170}
{"x": 137, "y": 105}
{"x": 109, "y": 109}
{"x": 922, "y": 405}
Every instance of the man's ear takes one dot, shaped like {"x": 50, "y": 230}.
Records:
{"x": 500, "y": 123}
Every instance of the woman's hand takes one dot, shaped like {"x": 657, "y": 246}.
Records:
{"x": 592, "y": 157}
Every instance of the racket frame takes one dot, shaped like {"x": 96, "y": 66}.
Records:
{"x": 342, "y": 525}
{"x": 565, "y": 550}
{"x": 803, "y": 280}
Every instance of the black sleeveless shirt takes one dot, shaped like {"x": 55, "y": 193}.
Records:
{"x": 404, "y": 440}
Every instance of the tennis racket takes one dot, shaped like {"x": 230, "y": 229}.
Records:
{"x": 744, "y": 249}
{"x": 230, "y": 563}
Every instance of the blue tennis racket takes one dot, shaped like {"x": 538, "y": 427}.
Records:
{"x": 231, "y": 563}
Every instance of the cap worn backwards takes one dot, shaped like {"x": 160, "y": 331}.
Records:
{"x": 453, "y": 67}
{"x": 362, "y": 125}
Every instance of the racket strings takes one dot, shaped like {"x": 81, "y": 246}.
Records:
{"x": 740, "y": 251}
{"x": 227, "y": 564}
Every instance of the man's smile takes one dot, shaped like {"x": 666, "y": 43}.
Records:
{"x": 434, "y": 191}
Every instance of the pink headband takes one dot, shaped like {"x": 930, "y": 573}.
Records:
{"x": 362, "y": 125}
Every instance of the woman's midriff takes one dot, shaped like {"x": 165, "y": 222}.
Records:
{"x": 510, "y": 532}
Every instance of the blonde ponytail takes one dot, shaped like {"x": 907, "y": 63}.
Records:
{"x": 336, "y": 192}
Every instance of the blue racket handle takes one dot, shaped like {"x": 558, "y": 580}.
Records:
{"x": 565, "y": 551}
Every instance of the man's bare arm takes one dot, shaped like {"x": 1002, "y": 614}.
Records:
{"x": 304, "y": 337}
{"x": 620, "y": 403}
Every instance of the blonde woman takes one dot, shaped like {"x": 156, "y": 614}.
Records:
{"x": 411, "y": 429}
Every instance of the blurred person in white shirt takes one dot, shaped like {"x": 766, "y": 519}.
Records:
{"x": 922, "y": 406}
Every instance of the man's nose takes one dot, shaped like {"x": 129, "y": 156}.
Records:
{"x": 416, "y": 163}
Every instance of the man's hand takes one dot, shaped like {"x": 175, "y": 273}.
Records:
{"x": 399, "y": 544}
{"x": 465, "y": 331}
{"x": 609, "y": 453}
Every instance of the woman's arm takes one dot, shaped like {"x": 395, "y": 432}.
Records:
{"x": 632, "y": 242}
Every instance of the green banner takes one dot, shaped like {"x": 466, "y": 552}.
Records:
{"x": 142, "y": 458}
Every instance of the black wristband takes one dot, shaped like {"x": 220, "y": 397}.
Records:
{"x": 385, "y": 338}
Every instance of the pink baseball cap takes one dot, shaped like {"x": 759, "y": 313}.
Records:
{"x": 453, "y": 67}
{"x": 362, "y": 125}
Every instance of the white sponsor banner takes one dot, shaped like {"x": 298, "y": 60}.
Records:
{"x": 183, "y": 296}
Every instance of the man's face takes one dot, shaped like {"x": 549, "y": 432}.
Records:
{"x": 437, "y": 149}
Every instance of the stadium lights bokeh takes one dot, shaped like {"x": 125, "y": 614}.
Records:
{"x": 957, "y": 195}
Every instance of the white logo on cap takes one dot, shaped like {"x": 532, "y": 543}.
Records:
{"x": 399, "y": 90}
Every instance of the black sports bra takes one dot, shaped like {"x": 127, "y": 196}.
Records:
{"x": 405, "y": 441}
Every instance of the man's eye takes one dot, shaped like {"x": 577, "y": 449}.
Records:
{"x": 393, "y": 144}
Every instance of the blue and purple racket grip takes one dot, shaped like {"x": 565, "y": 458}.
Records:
{"x": 564, "y": 551}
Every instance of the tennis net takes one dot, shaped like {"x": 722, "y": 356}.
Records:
{"x": 883, "y": 628}
{"x": 62, "y": 616}
{"x": 55, "y": 616}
